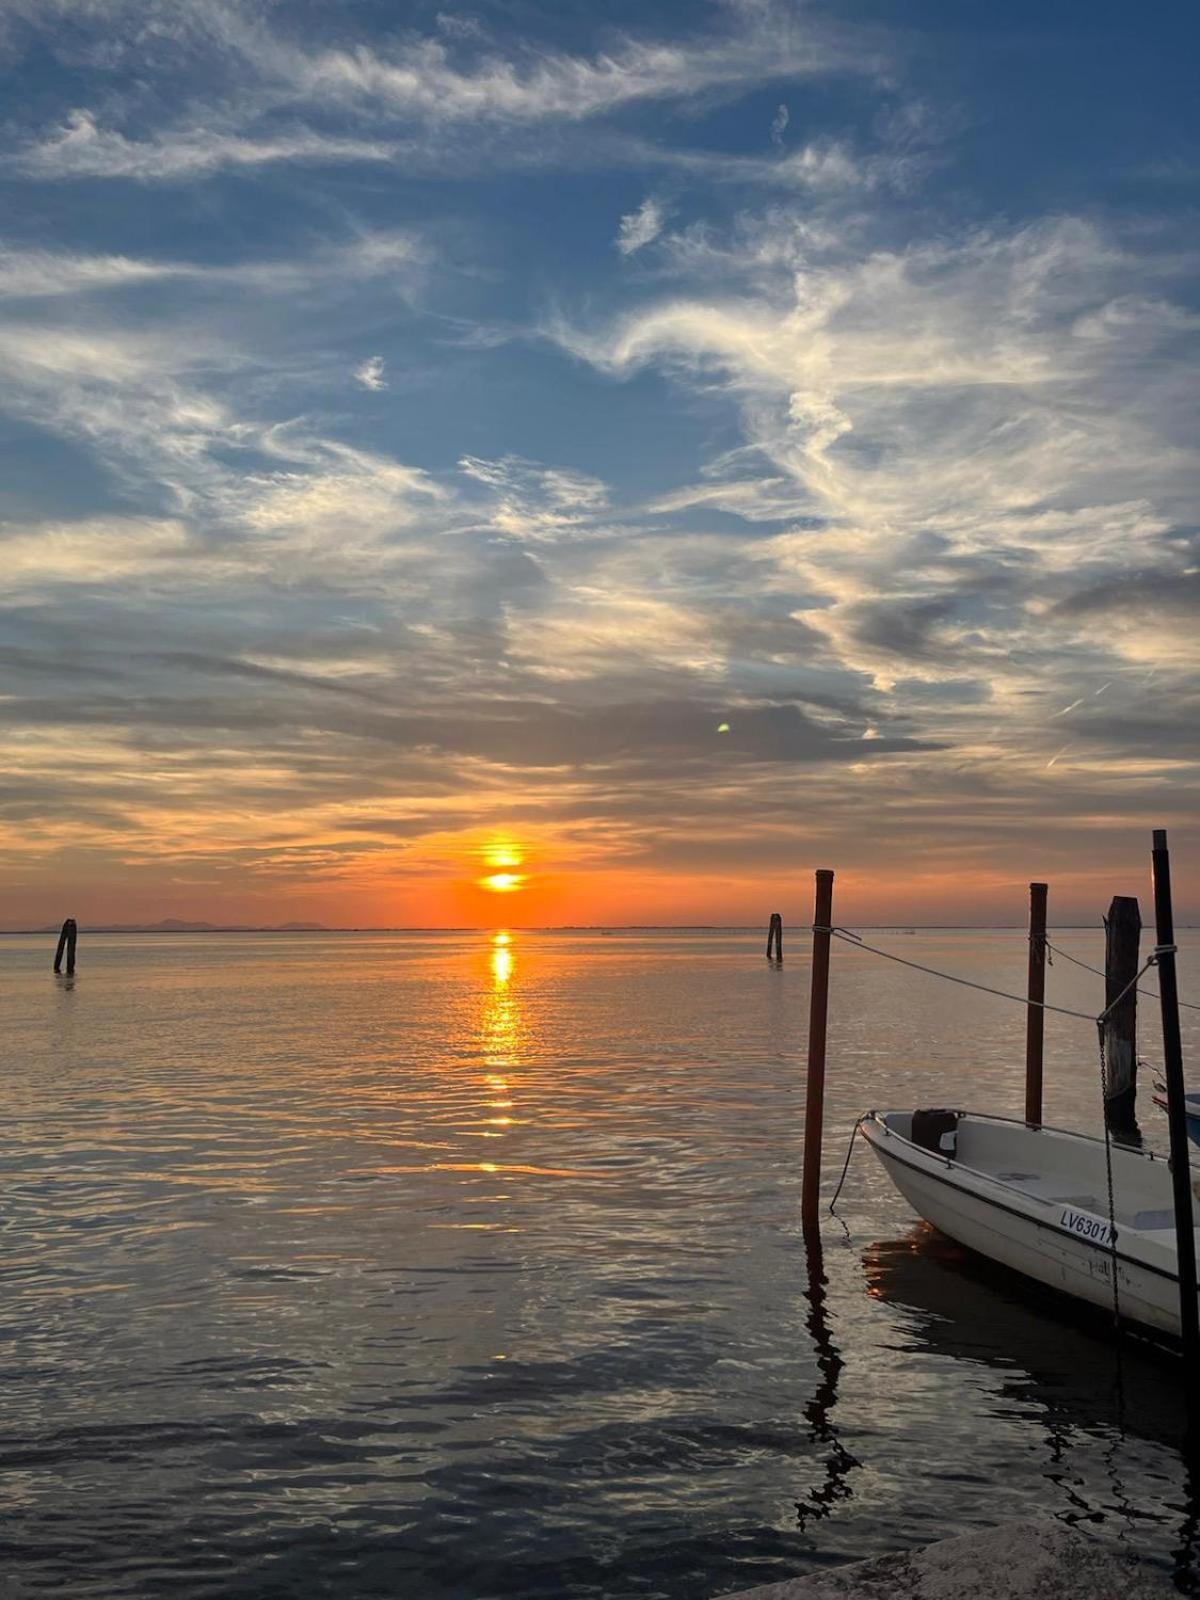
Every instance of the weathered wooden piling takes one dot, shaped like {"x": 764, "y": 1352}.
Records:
{"x": 775, "y": 938}
{"x": 1122, "y": 938}
{"x": 818, "y": 1012}
{"x": 1035, "y": 1017}
{"x": 1181, "y": 1175}
{"x": 66, "y": 941}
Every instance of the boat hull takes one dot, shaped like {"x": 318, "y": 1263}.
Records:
{"x": 1030, "y": 1240}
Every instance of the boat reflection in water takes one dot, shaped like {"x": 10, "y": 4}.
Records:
{"x": 1061, "y": 1358}
{"x": 1055, "y": 1353}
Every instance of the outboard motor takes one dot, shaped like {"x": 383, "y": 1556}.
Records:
{"x": 936, "y": 1131}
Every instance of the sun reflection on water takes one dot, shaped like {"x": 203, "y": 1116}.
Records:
{"x": 501, "y": 1027}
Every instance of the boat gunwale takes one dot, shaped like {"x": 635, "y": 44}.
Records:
{"x": 935, "y": 1158}
{"x": 1012, "y": 1122}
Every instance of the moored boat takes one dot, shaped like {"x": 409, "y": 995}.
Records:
{"x": 1036, "y": 1200}
{"x": 1191, "y": 1103}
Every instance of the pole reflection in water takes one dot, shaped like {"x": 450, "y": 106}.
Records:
{"x": 839, "y": 1463}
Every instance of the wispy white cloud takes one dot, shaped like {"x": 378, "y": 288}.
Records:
{"x": 423, "y": 78}
{"x": 822, "y": 167}
{"x": 958, "y": 431}
{"x": 271, "y": 91}
{"x": 43, "y": 274}
{"x": 91, "y": 551}
{"x": 39, "y": 274}
{"x": 641, "y": 227}
{"x": 370, "y": 373}
{"x": 538, "y": 504}
{"x": 779, "y": 124}
{"x": 83, "y": 149}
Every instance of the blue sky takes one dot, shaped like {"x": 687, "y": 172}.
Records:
{"x": 427, "y": 426}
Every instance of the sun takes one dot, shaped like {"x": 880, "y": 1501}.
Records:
{"x": 503, "y": 882}
{"x": 503, "y": 857}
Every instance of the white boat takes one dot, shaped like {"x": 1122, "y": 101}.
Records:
{"x": 1191, "y": 1102}
{"x": 1036, "y": 1200}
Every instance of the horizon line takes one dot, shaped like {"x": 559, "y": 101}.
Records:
{"x": 563, "y": 927}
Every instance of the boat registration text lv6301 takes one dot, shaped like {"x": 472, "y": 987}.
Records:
{"x": 1094, "y": 1229}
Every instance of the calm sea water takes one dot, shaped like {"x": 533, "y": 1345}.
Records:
{"x": 426, "y": 1265}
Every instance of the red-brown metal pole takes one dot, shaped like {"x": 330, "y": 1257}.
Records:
{"x": 1035, "y": 1017}
{"x": 818, "y": 1010}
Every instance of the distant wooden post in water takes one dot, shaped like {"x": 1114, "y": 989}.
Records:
{"x": 66, "y": 941}
{"x": 818, "y": 1010}
{"x": 1035, "y": 1017}
{"x": 775, "y": 938}
{"x": 1122, "y": 937}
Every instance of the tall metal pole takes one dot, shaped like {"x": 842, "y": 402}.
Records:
{"x": 1035, "y": 1017}
{"x": 818, "y": 1010}
{"x": 1181, "y": 1176}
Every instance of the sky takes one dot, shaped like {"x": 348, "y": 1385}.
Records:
{"x": 542, "y": 463}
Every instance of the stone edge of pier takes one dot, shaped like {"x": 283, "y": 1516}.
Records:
{"x": 1015, "y": 1561}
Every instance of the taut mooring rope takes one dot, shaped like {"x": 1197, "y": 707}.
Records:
{"x": 856, "y": 942}
{"x": 1151, "y": 994}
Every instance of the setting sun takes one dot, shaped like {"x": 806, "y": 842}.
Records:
{"x": 503, "y": 882}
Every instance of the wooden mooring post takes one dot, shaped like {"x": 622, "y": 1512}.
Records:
{"x": 1035, "y": 1017}
{"x": 1181, "y": 1172}
{"x": 818, "y": 1012}
{"x": 1122, "y": 938}
{"x": 66, "y": 941}
{"x": 775, "y": 938}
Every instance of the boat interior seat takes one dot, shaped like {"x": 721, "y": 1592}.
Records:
{"x": 1150, "y": 1220}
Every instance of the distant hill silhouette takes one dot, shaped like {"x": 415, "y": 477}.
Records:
{"x": 176, "y": 925}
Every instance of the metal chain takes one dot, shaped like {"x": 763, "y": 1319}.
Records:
{"x": 1118, "y": 1350}
{"x": 1108, "y": 1172}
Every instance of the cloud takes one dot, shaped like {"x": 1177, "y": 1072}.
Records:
{"x": 640, "y": 227}
{"x": 82, "y": 149}
{"x": 539, "y": 504}
{"x": 39, "y": 274}
{"x": 893, "y": 491}
{"x": 270, "y": 93}
{"x": 93, "y": 551}
{"x": 969, "y": 436}
{"x": 423, "y": 78}
{"x": 44, "y": 274}
{"x": 370, "y": 373}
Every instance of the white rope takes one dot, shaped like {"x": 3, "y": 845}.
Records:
{"x": 856, "y": 942}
